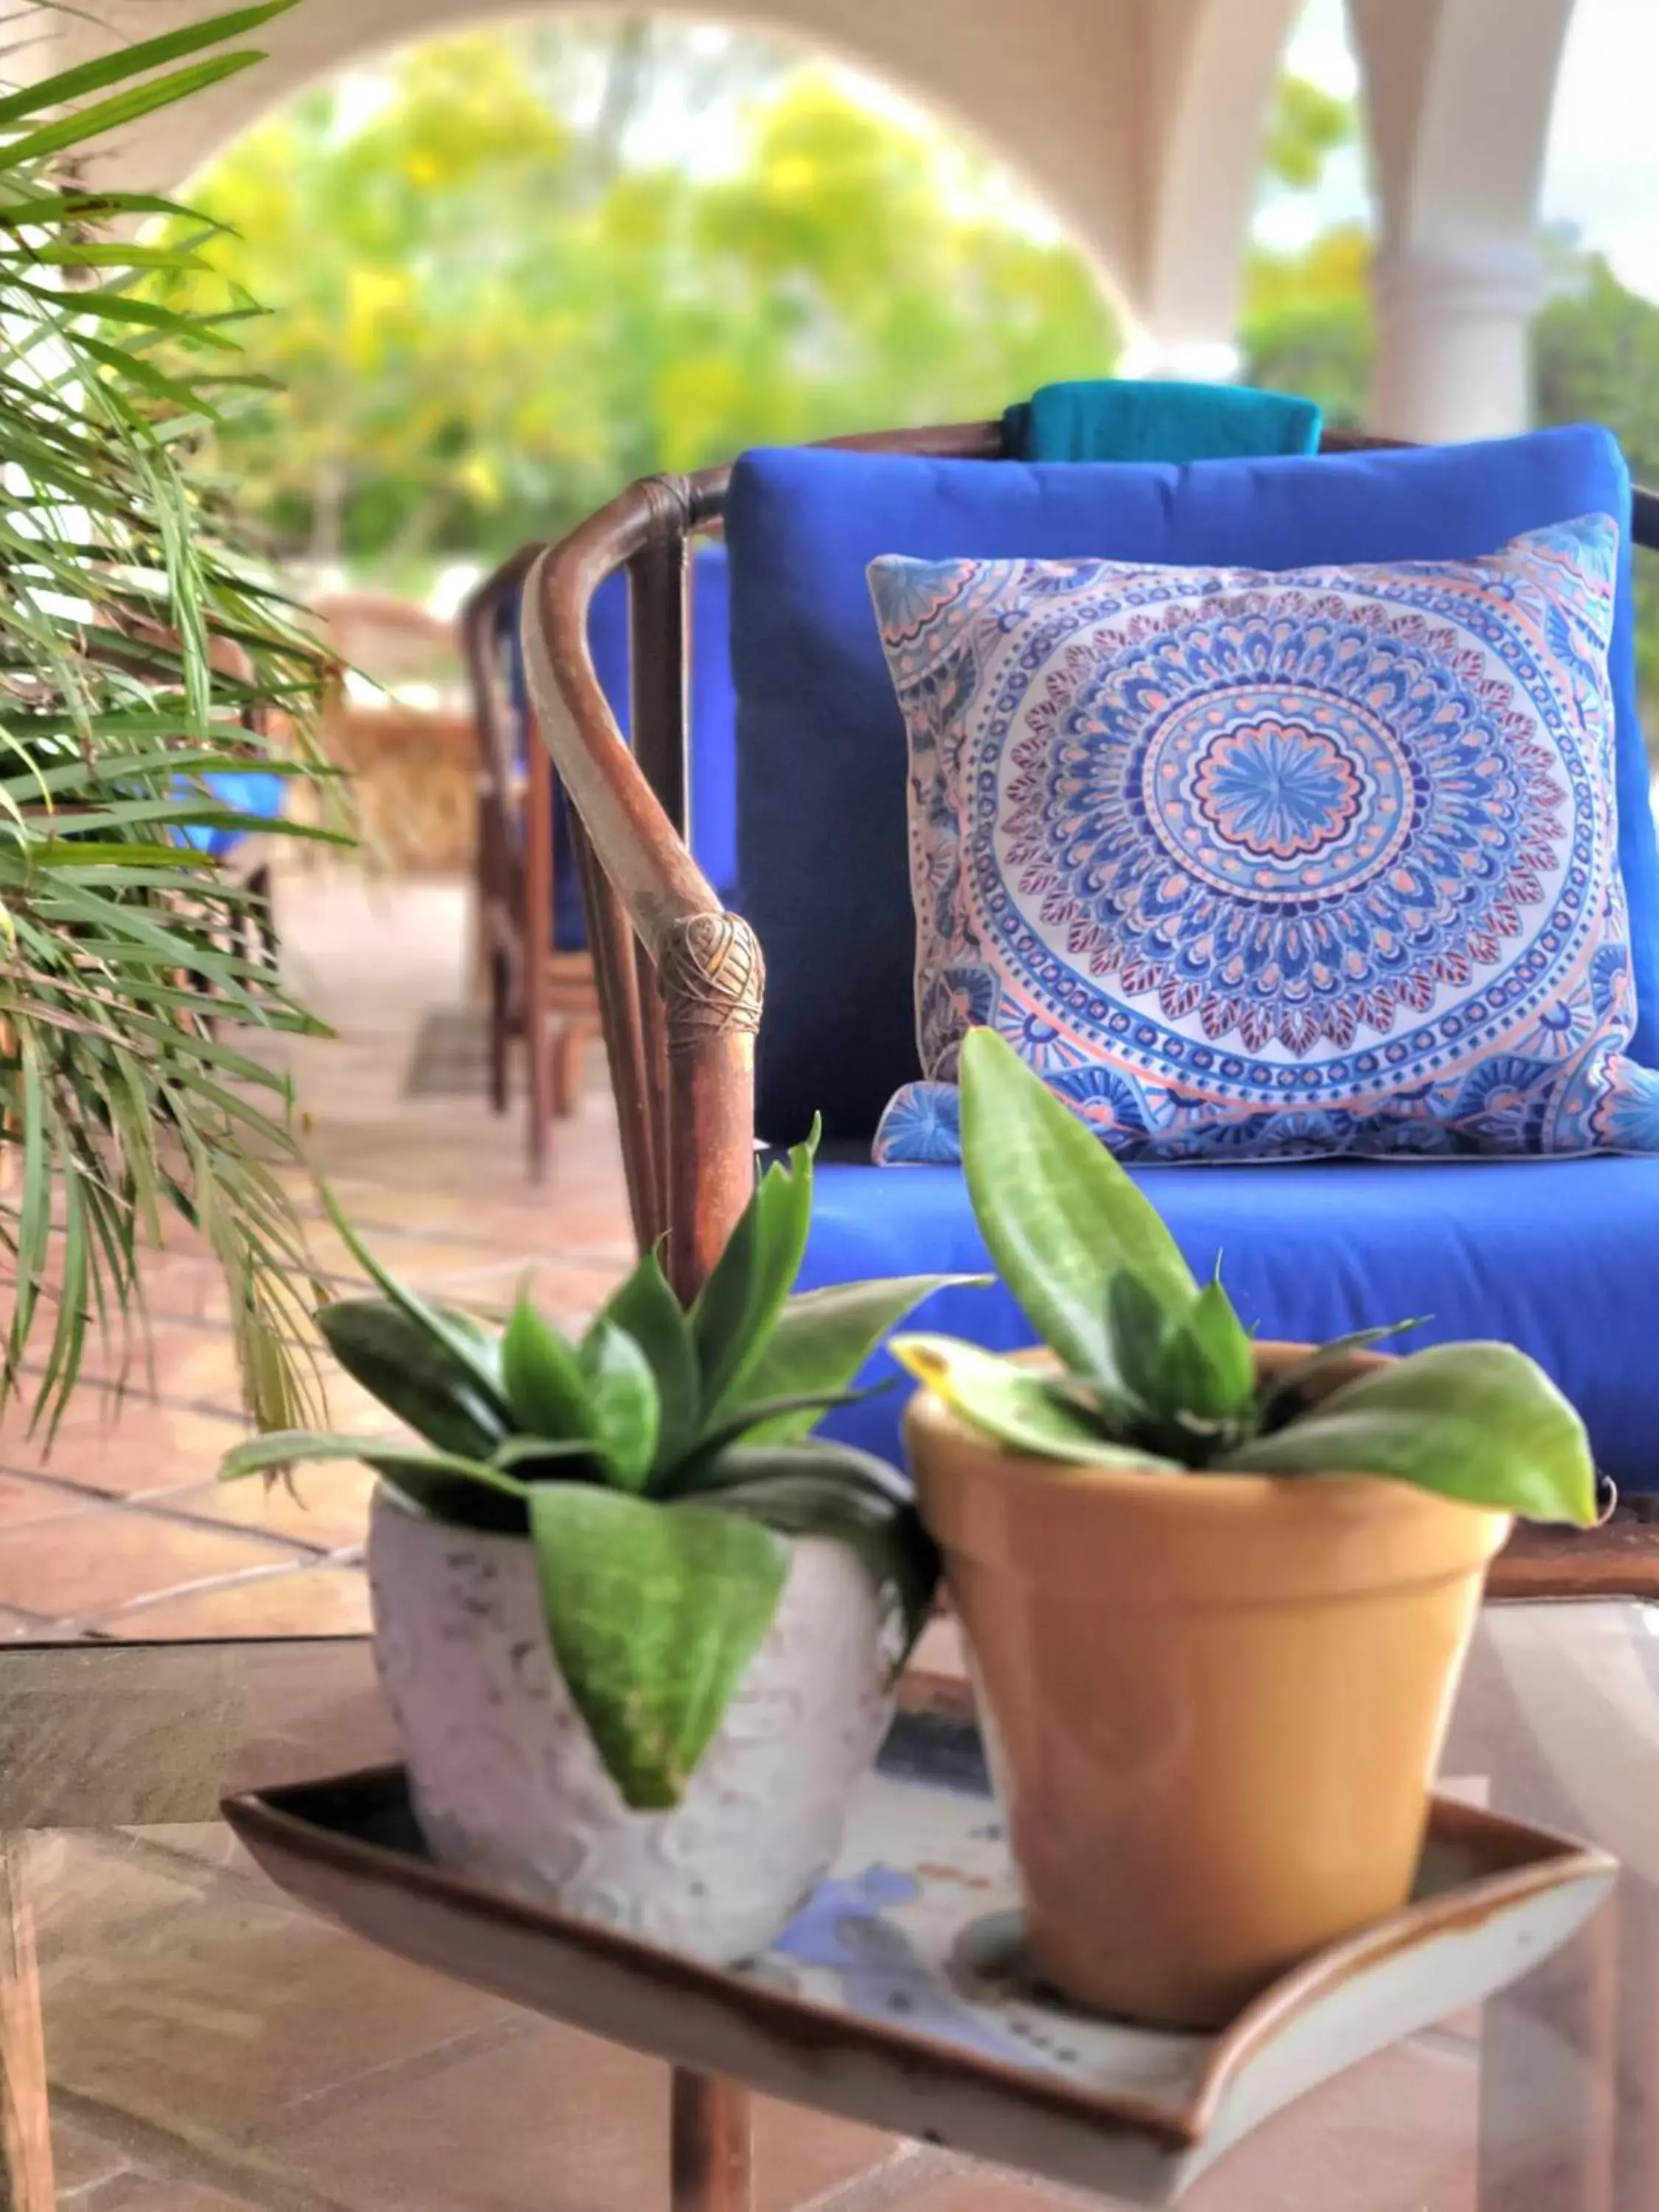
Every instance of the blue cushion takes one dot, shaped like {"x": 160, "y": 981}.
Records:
{"x": 1557, "y": 1258}
{"x": 822, "y": 871}
{"x": 712, "y": 792}
{"x": 1271, "y": 867}
{"x": 254, "y": 792}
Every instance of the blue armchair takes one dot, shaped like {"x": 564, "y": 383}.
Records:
{"x": 1556, "y": 1257}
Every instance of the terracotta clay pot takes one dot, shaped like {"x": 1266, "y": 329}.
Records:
{"x": 1214, "y": 1702}
{"x": 508, "y": 1786}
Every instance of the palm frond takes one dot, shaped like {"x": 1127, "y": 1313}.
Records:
{"x": 142, "y": 654}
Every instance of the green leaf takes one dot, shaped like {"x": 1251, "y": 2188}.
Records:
{"x": 623, "y": 1391}
{"x": 459, "y": 1337}
{"x": 821, "y": 1340}
{"x": 852, "y": 1469}
{"x": 1060, "y": 1215}
{"x": 653, "y": 1613}
{"x": 737, "y": 1307}
{"x": 1140, "y": 1326}
{"x": 133, "y": 60}
{"x": 415, "y": 1374}
{"x": 646, "y": 1306}
{"x": 1286, "y": 1395}
{"x": 1478, "y": 1422}
{"x": 282, "y": 1449}
{"x": 1019, "y": 1406}
{"x": 122, "y": 109}
{"x": 760, "y": 1418}
{"x": 1207, "y": 1367}
{"x": 817, "y": 1488}
{"x": 520, "y": 1452}
{"x": 546, "y": 1388}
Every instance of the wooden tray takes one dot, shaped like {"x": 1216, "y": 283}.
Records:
{"x": 898, "y": 1995}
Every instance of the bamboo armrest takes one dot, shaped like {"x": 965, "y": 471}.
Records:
{"x": 646, "y": 862}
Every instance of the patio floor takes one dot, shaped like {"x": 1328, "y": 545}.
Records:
{"x": 121, "y": 1530}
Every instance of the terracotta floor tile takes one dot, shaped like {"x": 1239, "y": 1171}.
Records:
{"x": 142, "y": 1447}
{"x": 800, "y": 2155}
{"x": 329, "y": 1512}
{"x": 80, "y": 2160}
{"x": 304, "y": 1602}
{"x": 1397, "y": 2131}
{"x": 567, "y": 1294}
{"x": 218, "y": 2017}
{"x": 93, "y": 1896}
{"x": 136, "y": 2191}
{"x": 987, "y": 2189}
{"x": 22, "y": 1499}
{"x": 108, "y": 1557}
{"x": 450, "y": 2137}
{"x": 23, "y": 1628}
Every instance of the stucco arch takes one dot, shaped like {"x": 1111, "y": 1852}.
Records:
{"x": 1138, "y": 122}
{"x": 1058, "y": 108}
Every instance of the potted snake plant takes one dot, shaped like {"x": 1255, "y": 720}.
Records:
{"x": 637, "y": 1626}
{"x": 1217, "y": 1592}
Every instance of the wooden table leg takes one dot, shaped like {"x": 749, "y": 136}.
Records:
{"x": 25, "y": 2179}
{"x": 709, "y": 2145}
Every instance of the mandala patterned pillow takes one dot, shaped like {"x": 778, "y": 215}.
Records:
{"x": 1261, "y": 865}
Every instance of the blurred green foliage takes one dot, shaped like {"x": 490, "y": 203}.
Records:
{"x": 492, "y": 301}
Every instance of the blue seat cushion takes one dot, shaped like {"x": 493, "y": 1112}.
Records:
{"x": 1556, "y": 1257}
{"x": 822, "y": 863}
{"x": 712, "y": 714}
{"x": 254, "y": 792}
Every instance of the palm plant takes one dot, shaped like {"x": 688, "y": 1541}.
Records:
{"x": 125, "y": 1094}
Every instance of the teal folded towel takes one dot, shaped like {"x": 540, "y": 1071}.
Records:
{"x": 1126, "y": 419}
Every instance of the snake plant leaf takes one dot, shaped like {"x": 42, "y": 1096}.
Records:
{"x": 821, "y": 1340}
{"x": 1284, "y": 1397}
{"x": 457, "y": 1336}
{"x": 759, "y": 1416}
{"x": 519, "y": 1453}
{"x": 737, "y": 1307}
{"x": 546, "y": 1390}
{"x": 623, "y": 1391}
{"x": 653, "y": 1613}
{"x": 646, "y": 1307}
{"x": 744, "y": 1463}
{"x": 415, "y": 1374}
{"x": 1478, "y": 1422}
{"x": 1018, "y": 1406}
{"x": 1141, "y": 1324}
{"x": 1206, "y": 1367}
{"x": 1060, "y": 1215}
{"x": 279, "y": 1450}
{"x": 817, "y": 1488}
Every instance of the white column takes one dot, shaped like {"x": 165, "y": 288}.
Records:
{"x": 1451, "y": 357}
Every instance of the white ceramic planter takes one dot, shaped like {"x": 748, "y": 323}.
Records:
{"x": 509, "y": 1788}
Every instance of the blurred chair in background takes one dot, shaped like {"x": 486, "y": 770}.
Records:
{"x": 527, "y": 859}
{"x": 396, "y": 721}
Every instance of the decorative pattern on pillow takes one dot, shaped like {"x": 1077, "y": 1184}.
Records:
{"x": 1269, "y": 866}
